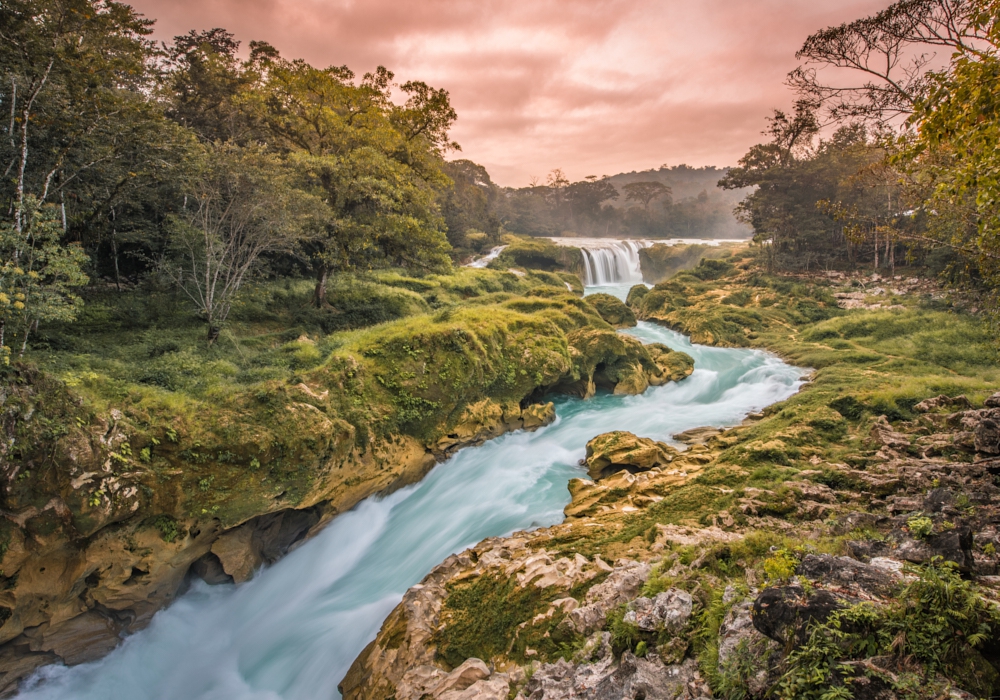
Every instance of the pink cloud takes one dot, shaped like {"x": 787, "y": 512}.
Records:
{"x": 591, "y": 86}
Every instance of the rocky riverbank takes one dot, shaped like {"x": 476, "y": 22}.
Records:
{"x": 842, "y": 542}
{"x": 116, "y": 497}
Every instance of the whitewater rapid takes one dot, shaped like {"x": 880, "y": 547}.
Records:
{"x": 292, "y": 632}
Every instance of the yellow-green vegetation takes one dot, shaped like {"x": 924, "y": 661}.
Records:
{"x": 537, "y": 254}
{"x": 660, "y": 261}
{"x": 238, "y": 424}
{"x": 612, "y": 310}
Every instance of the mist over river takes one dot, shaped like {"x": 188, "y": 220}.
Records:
{"x": 292, "y": 632}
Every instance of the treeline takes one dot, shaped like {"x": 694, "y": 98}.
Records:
{"x": 897, "y": 167}
{"x": 637, "y": 205}
{"x": 124, "y": 161}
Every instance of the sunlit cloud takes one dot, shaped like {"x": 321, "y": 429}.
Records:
{"x": 590, "y": 86}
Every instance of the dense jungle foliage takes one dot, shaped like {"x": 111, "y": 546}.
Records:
{"x": 897, "y": 167}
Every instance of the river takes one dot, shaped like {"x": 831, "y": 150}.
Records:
{"x": 292, "y": 632}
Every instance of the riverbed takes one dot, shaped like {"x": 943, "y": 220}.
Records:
{"x": 292, "y": 632}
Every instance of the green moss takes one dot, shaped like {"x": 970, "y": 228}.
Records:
{"x": 537, "y": 254}
{"x": 483, "y": 616}
{"x": 612, "y": 310}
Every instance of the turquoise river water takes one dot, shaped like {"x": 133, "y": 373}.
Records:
{"x": 292, "y": 632}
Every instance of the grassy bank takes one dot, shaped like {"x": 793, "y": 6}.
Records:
{"x": 809, "y": 476}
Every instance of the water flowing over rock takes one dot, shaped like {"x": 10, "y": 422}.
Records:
{"x": 612, "y": 261}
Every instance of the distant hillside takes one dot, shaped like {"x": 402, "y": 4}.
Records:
{"x": 684, "y": 181}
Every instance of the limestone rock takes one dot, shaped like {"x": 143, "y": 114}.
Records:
{"x": 673, "y": 366}
{"x": 235, "y": 552}
{"x": 942, "y": 401}
{"x": 469, "y": 672}
{"x": 613, "y": 310}
{"x": 619, "y": 450}
{"x": 538, "y": 415}
{"x": 496, "y": 687}
{"x": 987, "y": 434}
{"x": 668, "y": 611}
{"x": 697, "y": 436}
{"x": 86, "y": 637}
{"x": 261, "y": 541}
{"x": 647, "y": 678}
{"x": 783, "y": 613}
{"x": 884, "y": 434}
{"x": 622, "y": 585}
{"x": 950, "y": 545}
{"x": 993, "y": 401}
{"x": 844, "y": 572}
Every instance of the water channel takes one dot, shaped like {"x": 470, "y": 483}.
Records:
{"x": 292, "y": 632}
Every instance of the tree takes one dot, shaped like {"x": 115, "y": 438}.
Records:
{"x": 645, "y": 192}
{"x": 817, "y": 202}
{"x": 953, "y": 150}
{"x": 242, "y": 206}
{"x": 377, "y": 165}
{"x": 76, "y": 78}
{"x": 892, "y": 54}
{"x": 203, "y": 85}
{"x": 38, "y": 275}
{"x": 472, "y": 202}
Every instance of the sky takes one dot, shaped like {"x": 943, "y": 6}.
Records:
{"x": 594, "y": 87}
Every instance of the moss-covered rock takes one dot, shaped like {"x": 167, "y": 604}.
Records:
{"x": 612, "y": 310}
{"x": 537, "y": 254}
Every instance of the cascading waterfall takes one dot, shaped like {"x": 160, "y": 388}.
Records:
{"x": 612, "y": 262}
{"x": 292, "y": 632}
{"x": 488, "y": 258}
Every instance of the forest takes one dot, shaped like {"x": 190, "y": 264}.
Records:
{"x": 238, "y": 322}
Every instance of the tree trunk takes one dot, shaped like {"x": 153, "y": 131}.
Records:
{"x": 319, "y": 297}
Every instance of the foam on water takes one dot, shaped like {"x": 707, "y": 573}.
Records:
{"x": 292, "y": 632}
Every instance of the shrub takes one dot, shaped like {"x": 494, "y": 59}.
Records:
{"x": 920, "y": 526}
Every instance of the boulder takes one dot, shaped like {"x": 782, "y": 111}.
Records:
{"x": 987, "y": 434}
{"x": 538, "y": 415}
{"x": 613, "y": 310}
{"x": 784, "y": 613}
{"x": 697, "y": 436}
{"x": 844, "y": 572}
{"x": 652, "y": 680}
{"x": 673, "y": 366}
{"x": 647, "y": 678}
{"x": 468, "y": 673}
{"x": 636, "y": 293}
{"x": 993, "y": 401}
{"x": 496, "y": 687}
{"x": 622, "y": 585}
{"x": 953, "y": 545}
{"x": 668, "y": 611}
{"x": 620, "y": 450}
{"x": 942, "y": 401}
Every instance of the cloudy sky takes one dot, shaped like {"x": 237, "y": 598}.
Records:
{"x": 590, "y": 86}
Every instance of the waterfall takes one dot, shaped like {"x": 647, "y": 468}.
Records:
{"x": 611, "y": 261}
{"x": 488, "y": 258}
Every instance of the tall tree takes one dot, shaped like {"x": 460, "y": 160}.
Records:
{"x": 242, "y": 205}
{"x": 888, "y": 57}
{"x": 645, "y": 192}
{"x": 377, "y": 164}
